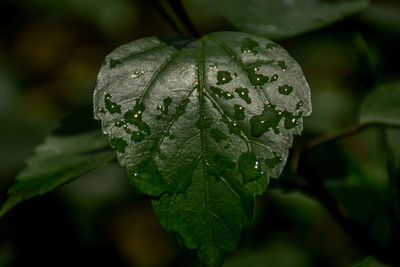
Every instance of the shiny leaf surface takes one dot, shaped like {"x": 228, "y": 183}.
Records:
{"x": 201, "y": 126}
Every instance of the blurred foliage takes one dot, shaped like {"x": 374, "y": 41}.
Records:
{"x": 50, "y": 52}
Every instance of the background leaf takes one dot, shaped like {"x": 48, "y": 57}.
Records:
{"x": 283, "y": 19}
{"x": 201, "y": 126}
{"x": 382, "y": 105}
{"x": 61, "y": 158}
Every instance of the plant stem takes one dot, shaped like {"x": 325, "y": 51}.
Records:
{"x": 180, "y": 11}
{"x": 166, "y": 16}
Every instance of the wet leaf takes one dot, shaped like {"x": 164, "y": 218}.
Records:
{"x": 382, "y": 105}
{"x": 201, "y": 121}
{"x": 286, "y": 18}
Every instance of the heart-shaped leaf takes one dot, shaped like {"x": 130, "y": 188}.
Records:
{"x": 287, "y": 18}
{"x": 201, "y": 125}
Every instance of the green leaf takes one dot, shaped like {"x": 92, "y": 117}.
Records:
{"x": 288, "y": 18}
{"x": 382, "y": 106}
{"x": 202, "y": 125}
{"x": 59, "y": 159}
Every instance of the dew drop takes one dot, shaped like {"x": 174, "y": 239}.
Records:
{"x": 282, "y": 64}
{"x": 134, "y": 116}
{"x": 221, "y": 93}
{"x": 111, "y": 106}
{"x": 119, "y": 124}
{"x": 274, "y": 78}
{"x": 249, "y": 167}
{"x": 243, "y": 93}
{"x": 232, "y": 126}
{"x": 269, "y": 118}
{"x": 271, "y": 46}
{"x": 239, "y": 112}
{"x": 163, "y": 108}
{"x": 223, "y": 77}
{"x": 257, "y": 79}
{"x": 249, "y": 45}
{"x": 137, "y": 136}
{"x": 299, "y": 104}
{"x": 137, "y": 74}
{"x": 285, "y": 89}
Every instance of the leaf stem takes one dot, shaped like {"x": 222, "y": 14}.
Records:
{"x": 166, "y": 16}
{"x": 180, "y": 11}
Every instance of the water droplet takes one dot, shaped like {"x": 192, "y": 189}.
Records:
{"x": 299, "y": 104}
{"x": 137, "y": 136}
{"x": 164, "y": 108}
{"x": 102, "y": 111}
{"x": 223, "y": 77}
{"x": 119, "y": 124}
{"x": 119, "y": 144}
{"x": 249, "y": 167}
{"x": 257, "y": 79}
{"x": 290, "y": 120}
{"x": 269, "y": 118}
{"x": 271, "y": 46}
{"x": 249, "y": 45}
{"x": 274, "y": 78}
{"x": 137, "y": 74}
{"x": 285, "y": 89}
{"x": 111, "y": 106}
{"x": 220, "y": 92}
{"x": 282, "y": 64}
{"x": 243, "y": 94}
{"x": 134, "y": 117}
{"x": 239, "y": 112}
{"x": 232, "y": 126}
{"x": 213, "y": 66}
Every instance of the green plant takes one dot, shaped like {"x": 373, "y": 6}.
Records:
{"x": 202, "y": 124}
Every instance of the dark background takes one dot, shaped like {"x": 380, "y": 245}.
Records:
{"x": 50, "y": 53}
